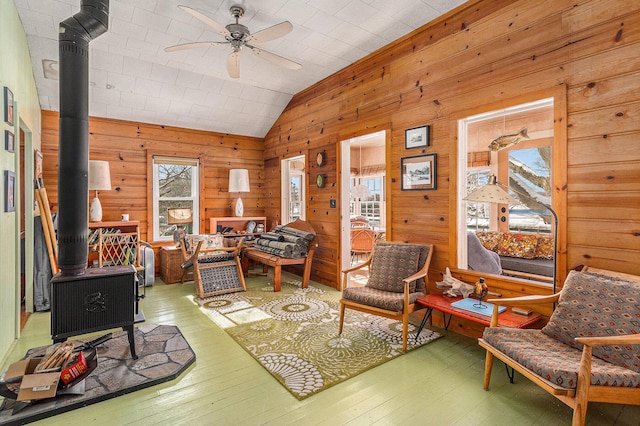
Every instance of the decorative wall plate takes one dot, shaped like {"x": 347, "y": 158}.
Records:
{"x": 321, "y": 158}
{"x": 321, "y": 180}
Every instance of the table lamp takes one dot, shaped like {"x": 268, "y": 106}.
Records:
{"x": 179, "y": 216}
{"x": 238, "y": 182}
{"x": 493, "y": 192}
{"x": 99, "y": 180}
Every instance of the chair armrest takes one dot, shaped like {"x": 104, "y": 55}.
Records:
{"x": 420, "y": 274}
{"x": 627, "y": 339}
{"x": 358, "y": 266}
{"x": 532, "y": 299}
{"x": 211, "y": 250}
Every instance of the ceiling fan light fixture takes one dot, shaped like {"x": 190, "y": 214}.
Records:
{"x": 238, "y": 36}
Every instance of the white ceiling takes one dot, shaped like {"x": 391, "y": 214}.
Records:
{"x": 133, "y": 78}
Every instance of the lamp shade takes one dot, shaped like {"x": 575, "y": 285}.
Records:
{"x": 179, "y": 216}
{"x": 238, "y": 180}
{"x": 491, "y": 193}
{"x": 99, "y": 175}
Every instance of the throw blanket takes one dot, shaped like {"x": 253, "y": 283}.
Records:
{"x": 285, "y": 242}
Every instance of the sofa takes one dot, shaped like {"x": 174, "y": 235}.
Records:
{"x": 527, "y": 255}
{"x": 588, "y": 351}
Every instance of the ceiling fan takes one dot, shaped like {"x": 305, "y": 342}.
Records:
{"x": 238, "y": 36}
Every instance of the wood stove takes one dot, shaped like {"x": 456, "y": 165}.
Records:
{"x": 99, "y": 299}
{"x": 83, "y": 300}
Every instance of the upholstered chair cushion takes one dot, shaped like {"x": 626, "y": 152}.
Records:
{"x": 592, "y": 305}
{"x": 555, "y": 361}
{"x": 391, "y": 263}
{"x": 389, "y": 300}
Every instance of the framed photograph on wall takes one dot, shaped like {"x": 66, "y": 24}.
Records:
{"x": 419, "y": 172}
{"x": 416, "y": 137}
{"x": 8, "y": 106}
{"x": 9, "y": 143}
{"x": 9, "y": 191}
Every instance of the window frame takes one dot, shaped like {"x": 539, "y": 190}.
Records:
{"x": 286, "y": 174}
{"x": 559, "y": 173}
{"x": 356, "y": 206}
{"x": 153, "y": 216}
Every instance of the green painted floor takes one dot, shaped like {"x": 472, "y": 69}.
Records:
{"x": 437, "y": 384}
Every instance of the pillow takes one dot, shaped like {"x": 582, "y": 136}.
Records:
{"x": 518, "y": 245}
{"x": 544, "y": 248}
{"x": 593, "y": 305}
{"x": 390, "y": 264}
{"x": 490, "y": 240}
{"x": 209, "y": 241}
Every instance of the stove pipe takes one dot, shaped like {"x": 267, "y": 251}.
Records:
{"x": 73, "y": 157}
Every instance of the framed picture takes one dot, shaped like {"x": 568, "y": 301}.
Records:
{"x": 9, "y": 143}
{"x": 416, "y": 137}
{"x": 9, "y": 191}
{"x": 419, "y": 172}
{"x": 8, "y": 106}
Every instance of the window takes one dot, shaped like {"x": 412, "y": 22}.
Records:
{"x": 372, "y": 206}
{"x": 530, "y": 175}
{"x": 293, "y": 185}
{"x": 477, "y": 213}
{"x": 524, "y": 166}
{"x": 175, "y": 185}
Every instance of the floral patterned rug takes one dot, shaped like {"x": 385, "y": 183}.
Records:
{"x": 294, "y": 334}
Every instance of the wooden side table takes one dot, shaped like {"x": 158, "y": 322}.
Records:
{"x": 443, "y": 304}
{"x": 171, "y": 265}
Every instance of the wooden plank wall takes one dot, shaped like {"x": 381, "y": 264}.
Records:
{"x": 127, "y": 145}
{"x": 486, "y": 52}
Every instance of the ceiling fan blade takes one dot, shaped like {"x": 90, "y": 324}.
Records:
{"x": 233, "y": 64}
{"x": 193, "y": 45}
{"x": 204, "y": 18}
{"x": 271, "y": 33}
{"x": 276, "y": 59}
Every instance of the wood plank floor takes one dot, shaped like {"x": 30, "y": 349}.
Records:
{"x": 438, "y": 384}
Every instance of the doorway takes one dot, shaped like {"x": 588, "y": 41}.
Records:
{"x": 26, "y": 235}
{"x": 363, "y": 195}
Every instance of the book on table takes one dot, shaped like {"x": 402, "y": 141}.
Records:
{"x": 473, "y": 305}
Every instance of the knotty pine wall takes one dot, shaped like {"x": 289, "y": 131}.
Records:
{"x": 128, "y": 146}
{"x": 486, "y": 52}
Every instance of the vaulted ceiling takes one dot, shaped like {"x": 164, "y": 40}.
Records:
{"x": 133, "y": 78}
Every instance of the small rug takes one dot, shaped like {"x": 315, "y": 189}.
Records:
{"x": 294, "y": 334}
{"x": 163, "y": 353}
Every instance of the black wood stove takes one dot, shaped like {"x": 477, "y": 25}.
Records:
{"x": 83, "y": 300}
{"x": 99, "y": 299}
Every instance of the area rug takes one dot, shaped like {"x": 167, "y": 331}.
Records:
{"x": 163, "y": 353}
{"x": 294, "y": 334}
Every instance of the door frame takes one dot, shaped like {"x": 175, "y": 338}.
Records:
{"x": 344, "y": 172}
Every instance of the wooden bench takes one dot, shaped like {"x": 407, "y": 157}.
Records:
{"x": 276, "y": 262}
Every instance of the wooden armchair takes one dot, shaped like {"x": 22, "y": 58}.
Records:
{"x": 592, "y": 334}
{"x": 215, "y": 270}
{"x": 397, "y": 274}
